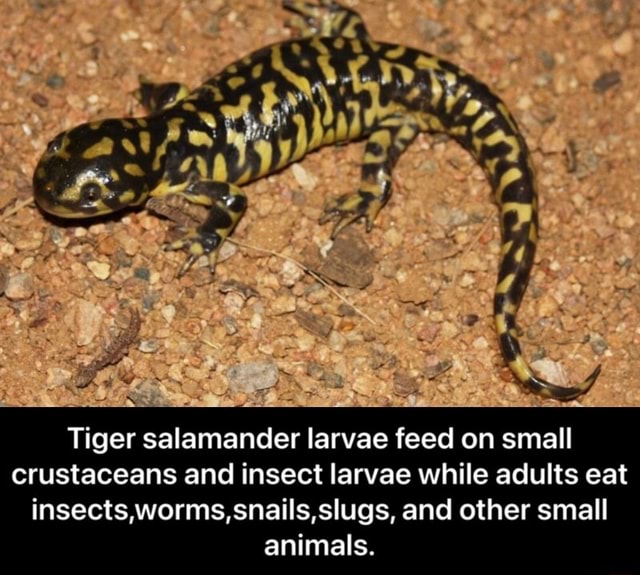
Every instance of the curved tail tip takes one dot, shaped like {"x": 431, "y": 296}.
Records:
{"x": 564, "y": 393}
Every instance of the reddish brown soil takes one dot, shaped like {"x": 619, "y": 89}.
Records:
{"x": 569, "y": 71}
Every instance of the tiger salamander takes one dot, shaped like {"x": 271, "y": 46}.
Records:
{"x": 333, "y": 84}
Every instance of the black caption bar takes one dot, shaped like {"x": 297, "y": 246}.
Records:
{"x": 358, "y": 484}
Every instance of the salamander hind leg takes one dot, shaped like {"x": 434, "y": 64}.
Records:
{"x": 385, "y": 144}
{"x": 326, "y": 18}
{"x": 158, "y": 97}
{"x": 227, "y": 203}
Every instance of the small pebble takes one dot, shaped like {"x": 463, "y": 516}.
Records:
{"x": 625, "y": 221}
{"x": 58, "y": 377}
{"x": 333, "y": 380}
{"x": 290, "y": 273}
{"x": 313, "y": 323}
{"x": 142, "y": 273}
{"x": 625, "y": 283}
{"x": 484, "y": 21}
{"x": 598, "y": 344}
{"x": 548, "y": 60}
{"x": 349, "y": 261}
{"x": 606, "y": 81}
{"x": 283, "y": 304}
{"x": 40, "y": 99}
{"x": 210, "y": 400}
{"x": 587, "y": 69}
{"x": 337, "y": 341}
{"x": 379, "y": 356}
{"x": 238, "y": 288}
{"x": 525, "y": 102}
{"x": 175, "y": 372}
{"x": 430, "y": 29}
{"x": 233, "y": 303}
{"x": 428, "y": 332}
{"x": 393, "y": 237}
{"x": 547, "y": 306}
{"x": 55, "y": 81}
{"x": 470, "y": 319}
{"x": 87, "y": 321}
{"x": 129, "y": 35}
{"x": 404, "y": 385}
{"x": 196, "y": 374}
{"x": 101, "y": 393}
{"x": 554, "y": 14}
{"x": 252, "y": 376}
{"x": 365, "y": 386}
{"x": 230, "y": 325}
{"x": 256, "y": 321}
{"x": 149, "y": 300}
{"x": 449, "y": 217}
{"x": 449, "y": 330}
{"x": 623, "y": 44}
{"x": 107, "y": 245}
{"x": 433, "y": 370}
{"x": 101, "y": 270}
{"x": 466, "y": 280}
{"x": 168, "y": 312}
{"x": 148, "y": 345}
{"x": 4, "y": 278}
{"x": 148, "y": 394}
{"x": 552, "y": 141}
{"x": 87, "y": 37}
{"x": 315, "y": 370}
{"x": 480, "y": 343}
{"x": 19, "y": 287}
{"x": 304, "y": 179}
{"x": 130, "y": 245}
{"x": 550, "y": 370}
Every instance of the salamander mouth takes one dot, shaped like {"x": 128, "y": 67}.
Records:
{"x": 73, "y": 212}
{"x": 57, "y": 191}
{"x": 48, "y": 201}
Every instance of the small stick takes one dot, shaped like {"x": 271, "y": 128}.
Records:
{"x": 15, "y": 208}
{"x": 307, "y": 270}
{"x": 114, "y": 352}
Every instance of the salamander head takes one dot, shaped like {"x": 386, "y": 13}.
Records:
{"x": 91, "y": 170}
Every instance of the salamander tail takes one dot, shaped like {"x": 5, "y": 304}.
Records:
{"x": 519, "y": 366}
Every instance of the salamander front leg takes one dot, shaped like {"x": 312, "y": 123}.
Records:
{"x": 158, "y": 97}
{"x": 383, "y": 148}
{"x": 228, "y": 203}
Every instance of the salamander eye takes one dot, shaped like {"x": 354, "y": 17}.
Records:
{"x": 56, "y": 144}
{"x": 90, "y": 192}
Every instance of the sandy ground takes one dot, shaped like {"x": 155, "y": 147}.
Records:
{"x": 569, "y": 71}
